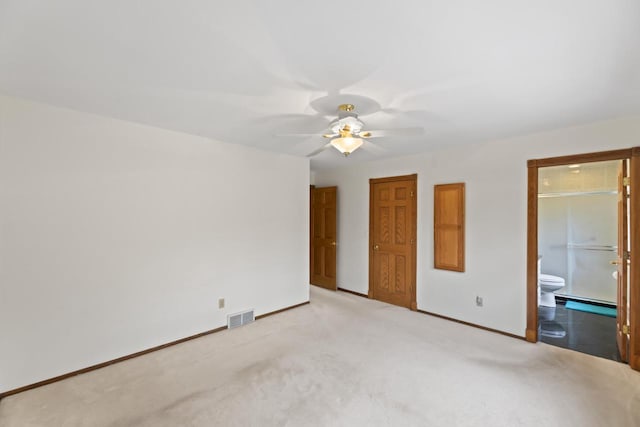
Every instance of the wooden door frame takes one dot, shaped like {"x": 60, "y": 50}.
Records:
{"x": 311, "y": 187}
{"x": 633, "y": 154}
{"x": 414, "y": 231}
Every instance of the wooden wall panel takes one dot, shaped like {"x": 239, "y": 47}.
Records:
{"x": 448, "y": 226}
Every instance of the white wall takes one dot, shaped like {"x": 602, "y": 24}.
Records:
{"x": 496, "y": 206}
{"x": 116, "y": 237}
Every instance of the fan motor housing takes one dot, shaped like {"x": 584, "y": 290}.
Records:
{"x": 351, "y": 120}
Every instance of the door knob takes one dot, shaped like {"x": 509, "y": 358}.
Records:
{"x": 333, "y": 243}
{"x": 376, "y": 247}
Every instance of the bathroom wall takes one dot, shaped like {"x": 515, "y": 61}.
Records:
{"x": 577, "y": 234}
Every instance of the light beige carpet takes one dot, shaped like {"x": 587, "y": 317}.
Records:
{"x": 343, "y": 361}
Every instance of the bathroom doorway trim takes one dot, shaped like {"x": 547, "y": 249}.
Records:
{"x": 532, "y": 239}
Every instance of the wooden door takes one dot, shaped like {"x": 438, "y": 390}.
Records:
{"x": 622, "y": 261}
{"x": 323, "y": 237}
{"x": 392, "y": 238}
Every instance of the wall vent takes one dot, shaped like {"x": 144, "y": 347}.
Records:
{"x": 239, "y": 319}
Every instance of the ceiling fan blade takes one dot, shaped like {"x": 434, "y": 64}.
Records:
{"x": 417, "y": 131}
{"x": 327, "y": 105}
{"x": 306, "y": 135}
{"x": 298, "y": 135}
{"x": 300, "y": 125}
{"x": 319, "y": 150}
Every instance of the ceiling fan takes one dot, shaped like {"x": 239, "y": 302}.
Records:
{"x": 347, "y": 132}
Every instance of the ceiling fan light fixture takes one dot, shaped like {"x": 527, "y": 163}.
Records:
{"x": 346, "y": 145}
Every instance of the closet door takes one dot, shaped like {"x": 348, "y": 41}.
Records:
{"x": 323, "y": 237}
{"x": 392, "y": 237}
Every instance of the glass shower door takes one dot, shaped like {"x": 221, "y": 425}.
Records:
{"x": 592, "y": 234}
{"x": 578, "y": 240}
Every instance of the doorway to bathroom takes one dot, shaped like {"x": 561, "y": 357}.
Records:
{"x": 581, "y": 291}
{"x": 577, "y": 255}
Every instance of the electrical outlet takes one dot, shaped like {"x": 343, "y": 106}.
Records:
{"x": 221, "y": 303}
{"x": 479, "y": 301}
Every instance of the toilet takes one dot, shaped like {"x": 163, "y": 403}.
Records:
{"x": 547, "y": 285}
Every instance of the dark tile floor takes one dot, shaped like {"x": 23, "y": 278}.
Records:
{"x": 576, "y": 330}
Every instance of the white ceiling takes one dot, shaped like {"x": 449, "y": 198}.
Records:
{"x": 244, "y": 71}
